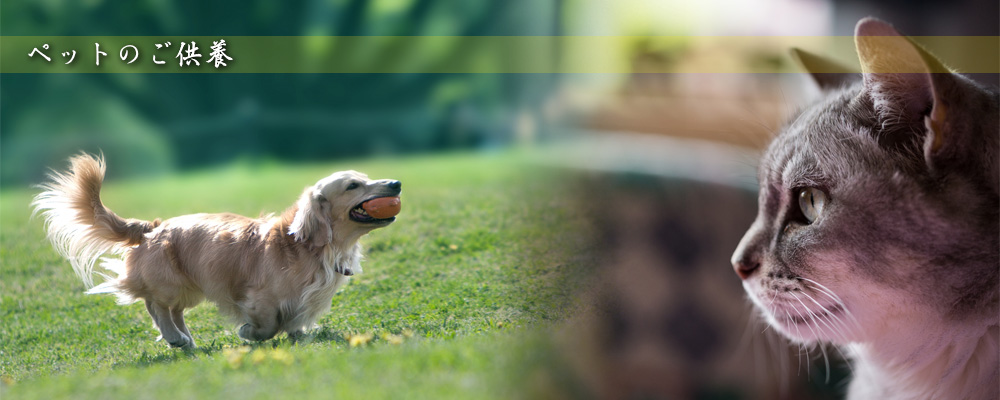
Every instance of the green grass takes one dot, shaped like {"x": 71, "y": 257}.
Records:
{"x": 475, "y": 266}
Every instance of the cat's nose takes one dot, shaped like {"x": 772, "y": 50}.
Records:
{"x": 746, "y": 258}
{"x": 744, "y": 265}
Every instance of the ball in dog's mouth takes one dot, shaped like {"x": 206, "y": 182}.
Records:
{"x": 379, "y": 209}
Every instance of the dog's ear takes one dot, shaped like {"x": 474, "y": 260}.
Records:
{"x": 311, "y": 224}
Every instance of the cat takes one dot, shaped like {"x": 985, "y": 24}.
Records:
{"x": 878, "y": 224}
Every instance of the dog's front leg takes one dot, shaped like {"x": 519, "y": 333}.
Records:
{"x": 263, "y": 324}
{"x": 177, "y": 315}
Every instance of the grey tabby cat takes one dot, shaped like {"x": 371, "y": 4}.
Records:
{"x": 878, "y": 225}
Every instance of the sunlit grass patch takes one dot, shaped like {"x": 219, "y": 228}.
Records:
{"x": 477, "y": 252}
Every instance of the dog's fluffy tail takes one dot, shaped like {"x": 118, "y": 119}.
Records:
{"x": 80, "y": 227}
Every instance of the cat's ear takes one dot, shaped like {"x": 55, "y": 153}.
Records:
{"x": 827, "y": 74}
{"x": 906, "y": 85}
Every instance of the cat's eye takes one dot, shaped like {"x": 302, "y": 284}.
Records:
{"x": 811, "y": 203}
{"x": 353, "y": 185}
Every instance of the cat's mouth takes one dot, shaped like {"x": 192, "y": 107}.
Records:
{"x": 811, "y": 316}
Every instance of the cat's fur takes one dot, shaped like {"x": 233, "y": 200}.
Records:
{"x": 901, "y": 267}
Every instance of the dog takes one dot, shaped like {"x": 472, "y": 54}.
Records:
{"x": 272, "y": 274}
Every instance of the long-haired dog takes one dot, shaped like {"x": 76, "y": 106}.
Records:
{"x": 272, "y": 274}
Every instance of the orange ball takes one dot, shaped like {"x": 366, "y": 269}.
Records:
{"x": 382, "y": 207}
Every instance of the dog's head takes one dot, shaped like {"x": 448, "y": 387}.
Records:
{"x": 333, "y": 210}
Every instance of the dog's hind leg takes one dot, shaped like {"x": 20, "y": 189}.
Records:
{"x": 177, "y": 315}
{"x": 162, "y": 316}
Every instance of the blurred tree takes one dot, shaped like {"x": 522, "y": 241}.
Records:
{"x": 191, "y": 120}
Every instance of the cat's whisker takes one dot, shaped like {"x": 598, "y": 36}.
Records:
{"x": 781, "y": 346}
{"x": 770, "y": 303}
{"x": 854, "y": 323}
{"x": 803, "y": 346}
{"x": 845, "y": 358}
{"x": 798, "y": 371}
{"x": 811, "y": 322}
{"x": 837, "y": 347}
{"x": 835, "y": 323}
{"x": 757, "y": 354}
{"x": 829, "y": 293}
{"x": 826, "y": 362}
{"x": 833, "y": 318}
{"x": 747, "y": 337}
{"x": 848, "y": 313}
{"x": 825, "y": 289}
{"x": 808, "y": 363}
{"x": 813, "y": 318}
{"x": 817, "y": 316}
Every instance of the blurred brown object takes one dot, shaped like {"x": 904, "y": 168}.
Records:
{"x": 665, "y": 316}
{"x": 744, "y": 109}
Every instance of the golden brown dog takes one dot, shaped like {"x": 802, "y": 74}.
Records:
{"x": 272, "y": 274}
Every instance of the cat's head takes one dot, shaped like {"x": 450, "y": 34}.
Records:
{"x": 879, "y": 204}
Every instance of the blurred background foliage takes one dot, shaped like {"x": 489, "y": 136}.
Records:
{"x": 153, "y": 123}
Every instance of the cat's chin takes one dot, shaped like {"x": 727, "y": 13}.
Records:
{"x": 808, "y": 320}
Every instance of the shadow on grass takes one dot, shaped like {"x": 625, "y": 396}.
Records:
{"x": 170, "y": 355}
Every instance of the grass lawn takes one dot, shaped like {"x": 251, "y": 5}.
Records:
{"x": 453, "y": 302}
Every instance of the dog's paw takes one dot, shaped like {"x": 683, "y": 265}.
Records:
{"x": 250, "y": 333}
{"x": 184, "y": 343}
{"x": 246, "y": 333}
{"x": 296, "y": 336}
{"x": 191, "y": 343}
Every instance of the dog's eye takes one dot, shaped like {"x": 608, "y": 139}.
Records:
{"x": 353, "y": 185}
